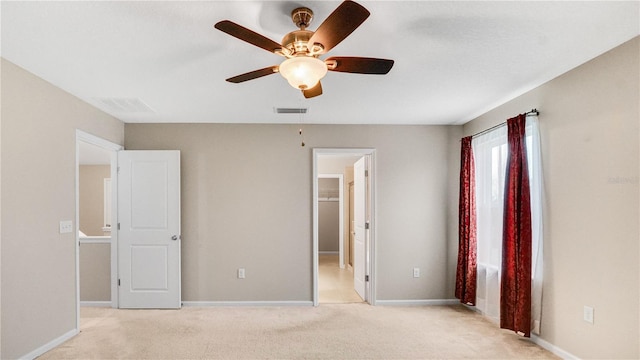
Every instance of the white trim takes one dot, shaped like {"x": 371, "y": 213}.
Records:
{"x": 113, "y": 148}
{"x": 330, "y": 253}
{"x": 114, "y": 234}
{"x": 373, "y": 221}
{"x": 552, "y": 348}
{"x": 340, "y": 200}
{"x": 474, "y": 309}
{"x": 370, "y": 268}
{"x": 95, "y": 303}
{"x": 95, "y": 240}
{"x": 246, "y": 303}
{"x": 426, "y": 302}
{"x": 50, "y": 345}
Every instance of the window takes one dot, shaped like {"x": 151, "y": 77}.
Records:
{"x": 490, "y": 152}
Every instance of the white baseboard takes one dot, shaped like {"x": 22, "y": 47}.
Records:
{"x": 428, "y": 302}
{"x": 328, "y": 253}
{"x": 554, "y": 349}
{"x": 95, "y": 303}
{"x": 50, "y": 345}
{"x": 247, "y": 303}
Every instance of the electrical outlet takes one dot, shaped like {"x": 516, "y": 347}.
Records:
{"x": 416, "y": 272}
{"x": 241, "y": 273}
{"x": 66, "y": 227}
{"x": 588, "y": 314}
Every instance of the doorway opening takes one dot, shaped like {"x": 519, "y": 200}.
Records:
{"x": 335, "y": 280}
{"x": 343, "y": 263}
{"x": 96, "y": 165}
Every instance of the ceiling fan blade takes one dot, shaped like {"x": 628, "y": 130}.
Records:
{"x": 342, "y": 22}
{"x": 359, "y": 65}
{"x": 314, "y": 91}
{"x": 253, "y": 74}
{"x": 247, "y": 35}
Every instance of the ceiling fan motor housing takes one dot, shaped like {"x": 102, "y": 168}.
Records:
{"x": 302, "y": 17}
{"x": 296, "y": 42}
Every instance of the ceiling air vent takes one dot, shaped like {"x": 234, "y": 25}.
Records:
{"x": 123, "y": 105}
{"x": 291, "y": 110}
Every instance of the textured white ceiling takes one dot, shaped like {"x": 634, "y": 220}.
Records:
{"x": 454, "y": 60}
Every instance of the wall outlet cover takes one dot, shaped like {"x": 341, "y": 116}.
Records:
{"x": 588, "y": 314}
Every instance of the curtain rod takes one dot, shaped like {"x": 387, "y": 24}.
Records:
{"x": 533, "y": 112}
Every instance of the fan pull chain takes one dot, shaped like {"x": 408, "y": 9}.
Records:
{"x": 301, "y": 120}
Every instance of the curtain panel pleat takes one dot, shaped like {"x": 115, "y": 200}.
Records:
{"x": 515, "y": 289}
{"x": 467, "y": 269}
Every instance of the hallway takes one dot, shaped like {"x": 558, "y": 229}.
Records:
{"x": 335, "y": 285}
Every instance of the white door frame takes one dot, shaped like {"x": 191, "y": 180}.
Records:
{"x": 370, "y": 289}
{"x": 113, "y": 148}
{"x": 340, "y": 178}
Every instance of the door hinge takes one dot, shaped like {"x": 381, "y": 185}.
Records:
{"x": 118, "y": 282}
{"x": 366, "y": 173}
{"x": 118, "y": 170}
{"x": 366, "y": 225}
{"x": 118, "y": 226}
{"x": 366, "y": 278}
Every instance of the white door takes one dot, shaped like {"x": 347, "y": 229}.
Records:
{"x": 149, "y": 229}
{"x": 359, "y": 215}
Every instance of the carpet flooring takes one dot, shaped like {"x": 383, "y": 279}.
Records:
{"x": 331, "y": 331}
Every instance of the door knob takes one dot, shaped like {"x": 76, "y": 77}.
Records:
{"x": 174, "y": 237}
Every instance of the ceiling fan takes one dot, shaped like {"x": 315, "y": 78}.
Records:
{"x": 302, "y": 48}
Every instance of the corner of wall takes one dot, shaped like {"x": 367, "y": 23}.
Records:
{"x": 455, "y": 134}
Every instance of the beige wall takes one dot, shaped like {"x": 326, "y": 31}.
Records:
{"x": 227, "y": 224}
{"x": 328, "y": 226}
{"x": 589, "y": 121}
{"x": 455, "y": 134}
{"x": 328, "y": 215}
{"x": 39, "y": 123}
{"x": 335, "y": 164}
{"x": 92, "y": 198}
{"x": 95, "y": 272}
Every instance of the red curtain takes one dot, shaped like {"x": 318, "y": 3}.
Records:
{"x": 515, "y": 287}
{"x": 467, "y": 271}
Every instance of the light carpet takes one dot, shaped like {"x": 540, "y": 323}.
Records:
{"x": 344, "y": 331}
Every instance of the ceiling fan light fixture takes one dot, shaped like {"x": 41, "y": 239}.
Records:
{"x": 303, "y": 72}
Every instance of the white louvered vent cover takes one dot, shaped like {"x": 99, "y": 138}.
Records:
{"x": 291, "y": 110}
{"x": 123, "y": 105}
